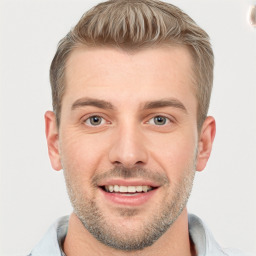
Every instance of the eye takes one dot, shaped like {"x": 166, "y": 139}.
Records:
{"x": 159, "y": 120}
{"x": 95, "y": 121}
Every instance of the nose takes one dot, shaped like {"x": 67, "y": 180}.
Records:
{"x": 128, "y": 148}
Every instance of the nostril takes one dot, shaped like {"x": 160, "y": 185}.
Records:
{"x": 128, "y": 154}
{"x": 128, "y": 165}
{"x": 117, "y": 163}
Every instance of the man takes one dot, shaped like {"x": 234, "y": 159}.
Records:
{"x": 131, "y": 86}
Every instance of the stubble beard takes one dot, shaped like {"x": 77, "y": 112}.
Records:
{"x": 150, "y": 230}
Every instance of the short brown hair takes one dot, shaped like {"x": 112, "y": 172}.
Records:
{"x": 132, "y": 25}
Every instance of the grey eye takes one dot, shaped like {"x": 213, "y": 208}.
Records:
{"x": 94, "y": 121}
{"x": 160, "y": 120}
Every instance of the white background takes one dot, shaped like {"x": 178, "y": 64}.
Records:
{"x": 33, "y": 195}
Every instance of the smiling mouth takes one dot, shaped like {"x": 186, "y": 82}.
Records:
{"x": 127, "y": 189}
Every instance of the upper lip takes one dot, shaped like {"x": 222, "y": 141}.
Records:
{"x": 128, "y": 182}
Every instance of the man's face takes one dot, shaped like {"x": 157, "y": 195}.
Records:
{"x": 128, "y": 141}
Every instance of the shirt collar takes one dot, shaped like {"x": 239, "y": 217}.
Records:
{"x": 204, "y": 242}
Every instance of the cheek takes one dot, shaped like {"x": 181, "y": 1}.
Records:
{"x": 82, "y": 154}
{"x": 175, "y": 154}
{"x": 81, "y": 157}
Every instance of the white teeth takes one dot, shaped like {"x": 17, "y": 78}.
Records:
{"x": 123, "y": 189}
{"x": 129, "y": 189}
{"x": 145, "y": 188}
{"x": 139, "y": 188}
{"x": 116, "y": 188}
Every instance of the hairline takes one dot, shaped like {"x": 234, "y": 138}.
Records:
{"x": 131, "y": 50}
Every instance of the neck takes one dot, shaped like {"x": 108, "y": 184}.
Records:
{"x": 174, "y": 241}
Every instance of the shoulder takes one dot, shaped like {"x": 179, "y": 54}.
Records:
{"x": 236, "y": 252}
{"x": 204, "y": 241}
{"x": 50, "y": 244}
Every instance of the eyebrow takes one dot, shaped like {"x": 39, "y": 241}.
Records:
{"x": 165, "y": 103}
{"x": 92, "y": 102}
{"x": 148, "y": 105}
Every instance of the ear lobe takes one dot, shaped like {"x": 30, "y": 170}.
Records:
{"x": 52, "y": 137}
{"x": 205, "y": 142}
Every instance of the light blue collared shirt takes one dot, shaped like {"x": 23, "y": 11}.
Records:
{"x": 51, "y": 244}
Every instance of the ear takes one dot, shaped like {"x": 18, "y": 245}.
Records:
{"x": 52, "y": 137}
{"x": 205, "y": 142}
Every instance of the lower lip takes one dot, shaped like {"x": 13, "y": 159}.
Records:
{"x": 129, "y": 200}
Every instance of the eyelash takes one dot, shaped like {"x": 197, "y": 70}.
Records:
{"x": 103, "y": 120}
{"x": 89, "y": 119}
{"x": 166, "y": 120}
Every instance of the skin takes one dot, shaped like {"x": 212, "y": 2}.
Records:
{"x": 129, "y": 137}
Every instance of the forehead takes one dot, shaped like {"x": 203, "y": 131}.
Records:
{"x": 147, "y": 73}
